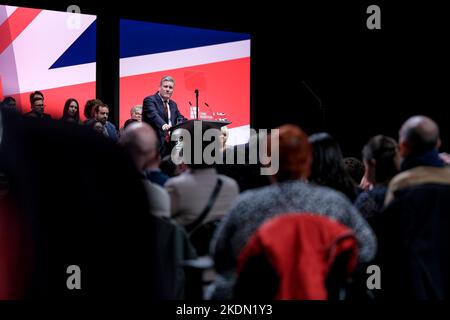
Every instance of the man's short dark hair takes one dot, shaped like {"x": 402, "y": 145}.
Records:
{"x": 9, "y": 102}
{"x": 98, "y": 106}
{"x": 36, "y": 95}
{"x": 89, "y": 107}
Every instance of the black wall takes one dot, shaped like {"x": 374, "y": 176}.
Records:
{"x": 316, "y": 65}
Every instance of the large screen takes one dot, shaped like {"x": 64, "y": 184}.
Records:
{"x": 53, "y": 52}
{"x": 216, "y": 63}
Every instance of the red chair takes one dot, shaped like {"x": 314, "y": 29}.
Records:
{"x": 297, "y": 257}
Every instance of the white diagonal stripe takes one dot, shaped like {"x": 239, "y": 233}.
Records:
{"x": 184, "y": 58}
{"x": 41, "y": 44}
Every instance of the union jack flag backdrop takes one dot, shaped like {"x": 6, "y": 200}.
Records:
{"x": 49, "y": 51}
{"x": 216, "y": 63}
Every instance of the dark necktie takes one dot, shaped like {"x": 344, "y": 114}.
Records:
{"x": 166, "y": 114}
{"x": 166, "y": 111}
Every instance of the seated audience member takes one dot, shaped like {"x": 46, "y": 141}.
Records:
{"x": 289, "y": 193}
{"x": 224, "y": 133}
{"x": 200, "y": 196}
{"x": 9, "y": 103}
{"x": 37, "y": 106}
{"x": 126, "y": 124}
{"x": 355, "y": 169}
{"x": 129, "y": 121}
{"x": 328, "y": 165}
{"x": 140, "y": 140}
{"x": 169, "y": 168}
{"x": 89, "y": 108}
{"x": 97, "y": 126}
{"x": 141, "y": 143}
{"x": 413, "y": 229}
{"x": 247, "y": 175}
{"x": 190, "y": 193}
{"x": 70, "y": 211}
{"x": 136, "y": 113}
{"x": 382, "y": 161}
{"x": 71, "y": 112}
{"x": 101, "y": 113}
{"x": 154, "y": 173}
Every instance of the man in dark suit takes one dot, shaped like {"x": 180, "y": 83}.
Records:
{"x": 37, "y": 106}
{"x": 161, "y": 112}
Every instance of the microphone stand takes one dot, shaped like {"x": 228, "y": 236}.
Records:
{"x": 196, "y": 104}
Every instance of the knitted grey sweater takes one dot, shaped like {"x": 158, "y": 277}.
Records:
{"x": 254, "y": 207}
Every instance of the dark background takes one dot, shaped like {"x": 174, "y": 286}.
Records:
{"x": 367, "y": 81}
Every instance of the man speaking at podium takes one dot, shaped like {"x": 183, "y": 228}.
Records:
{"x": 161, "y": 112}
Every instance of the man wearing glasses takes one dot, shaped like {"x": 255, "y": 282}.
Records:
{"x": 37, "y": 106}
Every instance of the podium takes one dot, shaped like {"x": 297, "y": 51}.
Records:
{"x": 189, "y": 125}
{"x": 206, "y": 124}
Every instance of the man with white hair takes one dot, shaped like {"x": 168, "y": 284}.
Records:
{"x": 136, "y": 113}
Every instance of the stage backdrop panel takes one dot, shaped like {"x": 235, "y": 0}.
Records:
{"x": 50, "y": 51}
{"x": 217, "y": 63}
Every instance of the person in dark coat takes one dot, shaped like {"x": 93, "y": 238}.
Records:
{"x": 72, "y": 190}
{"x": 413, "y": 230}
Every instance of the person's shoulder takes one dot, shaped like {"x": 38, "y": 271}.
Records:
{"x": 151, "y": 97}
{"x": 255, "y": 195}
{"x": 149, "y": 101}
{"x": 179, "y": 180}
{"x": 156, "y": 189}
{"x": 328, "y": 195}
{"x": 229, "y": 182}
{"x": 111, "y": 125}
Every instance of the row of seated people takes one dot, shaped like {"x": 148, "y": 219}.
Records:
{"x": 289, "y": 194}
{"x": 407, "y": 236}
{"x": 96, "y": 113}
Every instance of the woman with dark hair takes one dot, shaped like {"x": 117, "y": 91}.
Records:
{"x": 328, "y": 165}
{"x": 381, "y": 159}
{"x": 71, "y": 111}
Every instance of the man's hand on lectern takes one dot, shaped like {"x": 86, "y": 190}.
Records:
{"x": 166, "y": 127}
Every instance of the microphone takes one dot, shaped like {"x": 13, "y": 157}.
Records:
{"x": 196, "y": 104}
{"x": 190, "y": 103}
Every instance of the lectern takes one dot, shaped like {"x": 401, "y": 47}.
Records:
{"x": 190, "y": 126}
{"x": 206, "y": 124}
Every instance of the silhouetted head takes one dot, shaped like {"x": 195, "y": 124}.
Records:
{"x": 417, "y": 135}
{"x": 295, "y": 154}
{"x": 140, "y": 141}
{"x": 381, "y": 159}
